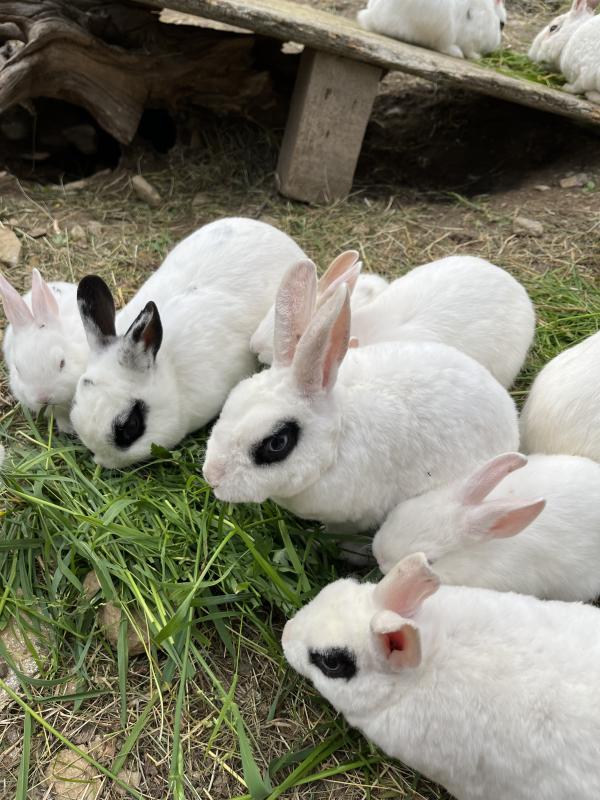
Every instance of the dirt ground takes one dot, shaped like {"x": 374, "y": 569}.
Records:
{"x": 441, "y": 172}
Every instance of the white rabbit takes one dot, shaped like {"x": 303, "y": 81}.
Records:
{"x": 494, "y": 695}
{"x": 562, "y": 411}
{"x": 345, "y": 449}
{"x": 462, "y": 528}
{"x": 462, "y": 301}
{"x": 169, "y": 373}
{"x": 570, "y": 44}
{"x": 45, "y": 347}
{"x": 460, "y": 28}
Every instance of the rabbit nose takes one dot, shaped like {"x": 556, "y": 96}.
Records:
{"x": 43, "y": 399}
{"x": 213, "y": 472}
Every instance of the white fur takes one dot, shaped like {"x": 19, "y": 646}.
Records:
{"x": 503, "y": 700}
{"x": 556, "y": 556}
{"x": 569, "y": 43}
{"x": 460, "y": 28}
{"x": 401, "y": 419}
{"x": 35, "y": 349}
{"x": 211, "y": 292}
{"x": 462, "y": 301}
{"x": 562, "y": 412}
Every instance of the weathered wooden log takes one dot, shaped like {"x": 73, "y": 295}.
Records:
{"x": 115, "y": 58}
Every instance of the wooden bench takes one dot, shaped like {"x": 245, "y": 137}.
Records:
{"x": 340, "y": 70}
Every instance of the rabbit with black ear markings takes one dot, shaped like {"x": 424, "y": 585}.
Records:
{"x": 494, "y": 695}
{"x": 459, "y": 28}
{"x": 569, "y": 43}
{"x": 343, "y": 436}
{"x": 183, "y": 340}
{"x": 45, "y": 347}
{"x": 468, "y": 529}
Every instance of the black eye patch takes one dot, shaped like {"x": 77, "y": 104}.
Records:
{"x": 278, "y": 445}
{"x": 337, "y": 662}
{"x": 130, "y": 426}
{"x": 554, "y": 28}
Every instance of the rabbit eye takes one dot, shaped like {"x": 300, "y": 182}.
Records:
{"x": 128, "y": 428}
{"x": 278, "y": 445}
{"x": 337, "y": 662}
{"x": 62, "y": 364}
{"x": 554, "y": 28}
{"x": 502, "y": 24}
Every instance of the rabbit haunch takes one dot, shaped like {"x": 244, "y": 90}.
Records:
{"x": 562, "y": 411}
{"x": 459, "y": 28}
{"x": 491, "y": 694}
{"x": 462, "y": 301}
{"x": 346, "y": 447}
{"x": 569, "y": 43}
{"x": 466, "y": 529}
{"x": 45, "y": 347}
{"x": 185, "y": 343}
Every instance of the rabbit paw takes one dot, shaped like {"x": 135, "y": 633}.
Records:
{"x": 454, "y": 51}
{"x": 572, "y": 88}
{"x": 593, "y": 97}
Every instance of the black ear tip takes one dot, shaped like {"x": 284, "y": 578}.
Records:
{"x": 151, "y": 308}
{"x": 92, "y": 285}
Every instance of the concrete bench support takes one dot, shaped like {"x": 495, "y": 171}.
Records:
{"x": 329, "y": 112}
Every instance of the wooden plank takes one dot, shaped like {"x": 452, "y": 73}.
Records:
{"x": 320, "y": 30}
{"x": 330, "y": 109}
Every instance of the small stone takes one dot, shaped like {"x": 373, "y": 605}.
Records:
{"x": 574, "y": 181}
{"x": 132, "y": 778}
{"x": 269, "y": 220}
{"x": 201, "y": 199}
{"x": 110, "y": 619}
{"x": 10, "y": 247}
{"x": 15, "y": 644}
{"x": 542, "y": 187}
{"x": 71, "y": 777}
{"x": 77, "y": 233}
{"x": 91, "y": 585}
{"x": 530, "y": 226}
{"x": 145, "y": 191}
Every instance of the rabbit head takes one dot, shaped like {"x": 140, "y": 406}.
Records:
{"x": 548, "y": 45}
{"x": 446, "y": 519}
{"x": 45, "y": 355}
{"x": 123, "y": 402}
{"x": 278, "y": 430}
{"x": 344, "y": 269}
{"x": 357, "y": 640}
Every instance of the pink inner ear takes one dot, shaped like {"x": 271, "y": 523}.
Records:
{"x": 396, "y": 640}
{"x": 403, "y": 647}
{"x": 516, "y": 519}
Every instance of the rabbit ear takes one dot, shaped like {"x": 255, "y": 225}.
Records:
{"x": 499, "y": 519}
{"x": 349, "y": 277}
{"x": 294, "y": 307}
{"x": 338, "y": 267}
{"x": 323, "y": 346}
{"x": 399, "y": 640}
{"x": 97, "y": 310}
{"x": 407, "y": 585}
{"x": 487, "y": 477}
{"x": 16, "y": 309}
{"x": 580, "y": 6}
{"x": 592, "y": 4}
{"x": 142, "y": 341}
{"x": 43, "y": 301}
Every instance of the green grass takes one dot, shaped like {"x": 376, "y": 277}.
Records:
{"x": 211, "y": 584}
{"x": 518, "y": 65}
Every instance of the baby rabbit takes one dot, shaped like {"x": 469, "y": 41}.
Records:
{"x": 346, "y": 267}
{"x": 463, "y": 528}
{"x": 570, "y": 44}
{"x": 493, "y": 695}
{"x": 460, "y": 28}
{"x": 562, "y": 412}
{"x": 45, "y": 347}
{"x": 461, "y": 301}
{"x": 183, "y": 343}
{"x": 343, "y": 437}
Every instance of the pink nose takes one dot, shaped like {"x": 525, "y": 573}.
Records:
{"x": 43, "y": 399}
{"x": 213, "y": 472}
